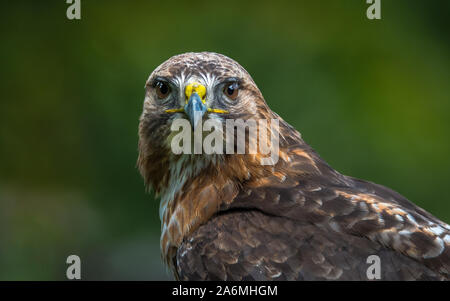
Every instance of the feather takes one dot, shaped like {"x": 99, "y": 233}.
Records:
{"x": 228, "y": 217}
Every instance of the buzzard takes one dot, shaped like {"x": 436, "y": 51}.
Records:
{"x": 229, "y": 217}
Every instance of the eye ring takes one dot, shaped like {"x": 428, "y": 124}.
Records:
{"x": 162, "y": 89}
{"x": 231, "y": 90}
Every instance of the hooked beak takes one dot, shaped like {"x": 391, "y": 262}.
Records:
{"x": 195, "y": 106}
{"x": 195, "y": 109}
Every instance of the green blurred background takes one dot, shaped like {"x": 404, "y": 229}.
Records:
{"x": 372, "y": 97}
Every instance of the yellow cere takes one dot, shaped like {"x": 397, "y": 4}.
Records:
{"x": 196, "y": 87}
{"x": 201, "y": 91}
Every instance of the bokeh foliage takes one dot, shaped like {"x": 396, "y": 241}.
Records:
{"x": 372, "y": 97}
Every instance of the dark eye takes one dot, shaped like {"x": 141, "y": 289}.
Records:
{"x": 231, "y": 90}
{"x": 162, "y": 89}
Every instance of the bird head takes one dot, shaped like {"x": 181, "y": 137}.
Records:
{"x": 194, "y": 87}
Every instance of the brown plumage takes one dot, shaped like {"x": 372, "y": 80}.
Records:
{"x": 227, "y": 217}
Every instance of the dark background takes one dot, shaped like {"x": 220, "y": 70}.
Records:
{"x": 371, "y": 96}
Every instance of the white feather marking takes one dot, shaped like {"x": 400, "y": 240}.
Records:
{"x": 375, "y": 206}
{"x": 363, "y": 206}
{"x": 183, "y": 253}
{"x": 412, "y": 219}
{"x": 437, "y": 230}
{"x": 405, "y": 232}
{"x": 399, "y": 218}
{"x": 447, "y": 239}
{"x": 335, "y": 226}
{"x": 435, "y": 252}
{"x": 400, "y": 211}
{"x": 276, "y": 275}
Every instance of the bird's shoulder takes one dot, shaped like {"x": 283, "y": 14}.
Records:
{"x": 304, "y": 204}
{"x": 252, "y": 245}
{"x": 352, "y": 207}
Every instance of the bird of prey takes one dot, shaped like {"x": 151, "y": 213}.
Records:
{"x": 230, "y": 217}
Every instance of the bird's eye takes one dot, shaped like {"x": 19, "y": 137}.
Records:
{"x": 231, "y": 90}
{"x": 162, "y": 89}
